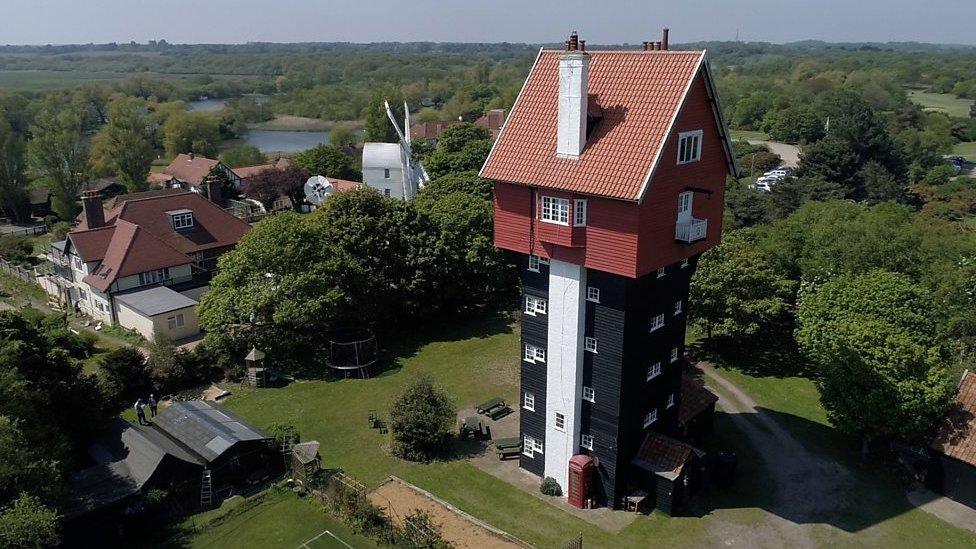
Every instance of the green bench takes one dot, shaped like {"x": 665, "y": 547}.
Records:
{"x": 508, "y": 447}
{"x": 494, "y": 408}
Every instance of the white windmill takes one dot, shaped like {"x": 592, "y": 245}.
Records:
{"x": 390, "y": 167}
{"x": 317, "y": 189}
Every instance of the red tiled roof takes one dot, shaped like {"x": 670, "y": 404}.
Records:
{"x": 430, "y": 130}
{"x": 664, "y": 454}
{"x": 92, "y": 245}
{"x": 158, "y": 178}
{"x": 190, "y": 170}
{"x": 639, "y": 93}
{"x": 957, "y": 433}
{"x": 344, "y": 184}
{"x": 245, "y": 172}
{"x": 695, "y": 398}
{"x": 133, "y": 250}
{"x": 492, "y": 121}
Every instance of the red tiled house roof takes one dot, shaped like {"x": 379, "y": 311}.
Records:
{"x": 245, "y": 172}
{"x": 190, "y": 169}
{"x": 638, "y": 93}
{"x": 956, "y": 437}
{"x": 663, "y": 455}
{"x": 695, "y": 398}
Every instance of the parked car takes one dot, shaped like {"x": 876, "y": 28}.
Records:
{"x": 766, "y": 183}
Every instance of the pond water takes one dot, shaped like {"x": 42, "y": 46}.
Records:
{"x": 207, "y": 105}
{"x": 284, "y": 141}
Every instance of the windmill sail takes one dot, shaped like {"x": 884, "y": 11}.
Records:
{"x": 414, "y": 173}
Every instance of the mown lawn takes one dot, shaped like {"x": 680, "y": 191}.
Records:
{"x": 943, "y": 102}
{"x": 967, "y": 150}
{"x": 748, "y": 135}
{"x": 477, "y": 359}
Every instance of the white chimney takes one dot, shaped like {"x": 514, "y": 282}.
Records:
{"x": 574, "y": 67}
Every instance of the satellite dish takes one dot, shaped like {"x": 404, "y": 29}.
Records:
{"x": 317, "y": 189}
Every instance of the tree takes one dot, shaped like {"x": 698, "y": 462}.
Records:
{"x": 462, "y": 147}
{"x": 790, "y": 193}
{"x": 421, "y": 419}
{"x": 874, "y": 339}
{"x": 58, "y": 151}
{"x": 124, "y": 144}
{"x": 270, "y": 184}
{"x": 747, "y": 206}
{"x": 196, "y": 132}
{"x": 831, "y": 159}
{"x": 29, "y": 524}
{"x": 343, "y": 137}
{"x": 330, "y": 161}
{"x": 218, "y": 178}
{"x": 377, "y": 127}
{"x": 795, "y": 124}
{"x": 736, "y": 292}
{"x": 124, "y": 375}
{"x": 14, "y": 201}
{"x": 243, "y": 155}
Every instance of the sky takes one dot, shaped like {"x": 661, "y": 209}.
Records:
{"x": 529, "y": 21}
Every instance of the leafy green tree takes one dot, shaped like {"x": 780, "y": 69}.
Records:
{"x": 745, "y": 207}
{"x": 421, "y": 419}
{"x": 242, "y": 155}
{"x": 14, "y": 201}
{"x": 24, "y": 467}
{"x": 377, "y": 127}
{"x": 218, "y": 178}
{"x": 463, "y": 147}
{"x": 874, "y": 339}
{"x": 831, "y": 159}
{"x": 330, "y": 161}
{"x": 460, "y": 182}
{"x": 29, "y": 524}
{"x": 736, "y": 292}
{"x": 124, "y": 144}
{"x": 196, "y": 132}
{"x": 124, "y": 376}
{"x": 343, "y": 137}
{"x": 58, "y": 150}
{"x": 797, "y": 123}
{"x": 790, "y": 193}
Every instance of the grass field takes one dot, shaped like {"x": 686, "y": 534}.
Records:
{"x": 943, "y": 102}
{"x": 478, "y": 359}
{"x": 748, "y": 135}
{"x": 967, "y": 150}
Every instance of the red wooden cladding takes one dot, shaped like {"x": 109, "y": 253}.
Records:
{"x": 623, "y": 237}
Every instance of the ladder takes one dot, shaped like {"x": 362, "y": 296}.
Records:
{"x": 206, "y": 489}
{"x": 287, "y": 445}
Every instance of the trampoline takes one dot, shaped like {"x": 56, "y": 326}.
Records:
{"x": 352, "y": 354}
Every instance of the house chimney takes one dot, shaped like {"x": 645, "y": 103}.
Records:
{"x": 664, "y": 38}
{"x": 91, "y": 206}
{"x": 573, "y": 76}
{"x": 644, "y": 44}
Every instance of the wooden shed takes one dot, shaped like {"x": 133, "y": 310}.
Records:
{"x": 668, "y": 470}
{"x": 305, "y": 461}
{"x": 952, "y": 469}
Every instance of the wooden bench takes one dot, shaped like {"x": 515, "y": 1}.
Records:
{"x": 495, "y": 408}
{"x": 508, "y": 447}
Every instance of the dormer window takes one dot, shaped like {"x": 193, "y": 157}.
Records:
{"x": 181, "y": 219}
{"x": 555, "y": 210}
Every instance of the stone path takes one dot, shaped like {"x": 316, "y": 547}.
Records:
{"x": 950, "y": 511}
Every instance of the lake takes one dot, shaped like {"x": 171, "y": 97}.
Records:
{"x": 206, "y": 105}
{"x": 284, "y": 141}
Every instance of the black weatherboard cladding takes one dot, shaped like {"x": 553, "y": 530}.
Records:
{"x": 533, "y": 380}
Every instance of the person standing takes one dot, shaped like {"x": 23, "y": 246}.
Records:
{"x": 152, "y": 405}
{"x": 140, "y": 413}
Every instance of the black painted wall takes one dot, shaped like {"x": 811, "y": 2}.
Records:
{"x": 534, "y": 332}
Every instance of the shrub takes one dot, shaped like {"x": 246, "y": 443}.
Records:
{"x": 124, "y": 375}
{"x": 421, "y": 418}
{"x": 28, "y": 523}
{"x": 16, "y": 249}
{"x": 550, "y": 487}
{"x": 281, "y": 432}
{"x": 60, "y": 230}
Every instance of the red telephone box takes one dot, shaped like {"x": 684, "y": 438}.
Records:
{"x": 580, "y": 479}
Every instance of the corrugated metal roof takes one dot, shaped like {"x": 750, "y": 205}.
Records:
{"x": 206, "y": 428}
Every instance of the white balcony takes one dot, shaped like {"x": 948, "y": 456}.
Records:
{"x": 691, "y": 230}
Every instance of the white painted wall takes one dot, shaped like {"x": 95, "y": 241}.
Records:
{"x": 564, "y": 366}
{"x": 573, "y": 89}
{"x": 379, "y": 157}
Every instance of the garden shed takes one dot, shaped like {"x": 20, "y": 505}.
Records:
{"x": 668, "y": 471}
{"x": 952, "y": 468}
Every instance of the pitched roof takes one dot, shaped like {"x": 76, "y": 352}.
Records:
{"x": 695, "y": 398}
{"x": 956, "y": 436}
{"x": 39, "y": 195}
{"x": 91, "y": 245}
{"x": 189, "y": 169}
{"x": 343, "y": 184}
{"x": 639, "y": 94}
{"x": 431, "y": 130}
{"x": 133, "y": 250}
{"x": 155, "y": 301}
{"x": 492, "y": 121}
{"x": 245, "y": 172}
{"x": 205, "y": 428}
{"x": 101, "y": 184}
{"x": 663, "y": 455}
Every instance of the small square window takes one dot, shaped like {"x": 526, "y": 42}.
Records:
{"x": 677, "y": 307}
{"x": 593, "y": 294}
{"x": 657, "y": 322}
{"x": 684, "y": 263}
{"x": 386, "y": 174}
{"x": 560, "y": 421}
{"x": 537, "y": 445}
{"x": 586, "y": 441}
{"x": 650, "y": 418}
{"x": 653, "y": 371}
{"x": 589, "y": 394}
{"x": 660, "y": 272}
{"x": 671, "y": 400}
{"x": 386, "y": 193}
{"x": 528, "y": 402}
{"x": 589, "y": 344}
{"x": 674, "y": 354}
{"x": 579, "y": 213}
{"x": 534, "y": 263}
{"x": 534, "y": 354}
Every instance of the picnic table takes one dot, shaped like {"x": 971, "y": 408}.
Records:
{"x": 508, "y": 447}
{"x": 472, "y": 425}
{"x": 494, "y": 408}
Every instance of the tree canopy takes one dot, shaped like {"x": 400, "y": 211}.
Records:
{"x": 124, "y": 144}
{"x": 330, "y": 161}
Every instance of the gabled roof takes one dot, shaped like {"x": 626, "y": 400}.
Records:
{"x": 189, "y": 169}
{"x": 91, "y": 245}
{"x": 663, "y": 455}
{"x": 132, "y": 250}
{"x": 639, "y": 94}
{"x": 957, "y": 433}
{"x": 695, "y": 398}
{"x": 246, "y": 172}
{"x": 205, "y": 428}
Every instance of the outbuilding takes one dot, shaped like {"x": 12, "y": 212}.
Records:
{"x": 667, "y": 471}
{"x": 952, "y": 468}
{"x": 158, "y": 310}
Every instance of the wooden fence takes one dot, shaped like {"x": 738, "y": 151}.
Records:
{"x": 16, "y": 271}
{"x": 24, "y": 231}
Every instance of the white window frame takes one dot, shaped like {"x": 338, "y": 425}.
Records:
{"x": 689, "y": 146}
{"x": 79, "y": 264}
{"x": 528, "y": 445}
{"x": 534, "y": 263}
{"x": 182, "y": 221}
{"x": 559, "y": 418}
{"x": 589, "y": 394}
{"x": 593, "y": 294}
{"x": 685, "y": 200}
{"x": 535, "y": 305}
{"x": 579, "y": 212}
{"x": 657, "y": 322}
{"x": 589, "y": 344}
{"x": 670, "y": 400}
{"x": 586, "y": 441}
{"x": 532, "y": 353}
{"x": 650, "y": 418}
{"x": 528, "y": 401}
{"x": 674, "y": 354}
{"x": 537, "y": 445}
{"x": 554, "y": 210}
{"x": 684, "y": 263}
{"x": 176, "y": 321}
{"x": 653, "y": 371}
{"x": 678, "y": 307}
{"x": 661, "y": 272}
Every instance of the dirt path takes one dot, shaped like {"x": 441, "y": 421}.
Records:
{"x": 807, "y": 486}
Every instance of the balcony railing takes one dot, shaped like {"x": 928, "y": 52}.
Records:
{"x": 691, "y": 231}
